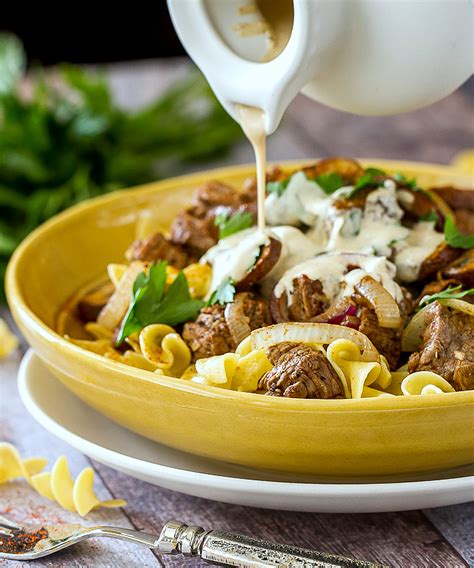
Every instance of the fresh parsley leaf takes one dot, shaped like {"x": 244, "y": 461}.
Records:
{"x": 329, "y": 183}
{"x": 430, "y": 217}
{"x": 453, "y": 292}
{"x": 151, "y": 303}
{"x": 230, "y": 224}
{"x": 455, "y": 238}
{"x": 398, "y": 176}
{"x": 223, "y": 294}
{"x": 369, "y": 177}
{"x": 278, "y": 187}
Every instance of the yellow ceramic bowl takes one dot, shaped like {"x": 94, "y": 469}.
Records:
{"x": 340, "y": 437}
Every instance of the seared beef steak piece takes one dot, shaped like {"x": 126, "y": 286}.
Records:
{"x": 210, "y": 335}
{"x": 215, "y": 194}
{"x": 193, "y": 232}
{"x": 157, "y": 247}
{"x": 386, "y": 340}
{"x": 308, "y": 301}
{"x": 300, "y": 372}
{"x": 447, "y": 346}
{"x": 194, "y": 228}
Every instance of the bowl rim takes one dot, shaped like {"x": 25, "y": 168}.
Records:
{"x": 22, "y": 312}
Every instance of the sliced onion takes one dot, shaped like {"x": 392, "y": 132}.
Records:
{"x": 317, "y": 333}
{"x": 236, "y": 320}
{"x": 460, "y": 305}
{"x": 380, "y": 300}
{"x": 337, "y": 313}
{"x": 114, "y": 310}
{"x": 412, "y": 334}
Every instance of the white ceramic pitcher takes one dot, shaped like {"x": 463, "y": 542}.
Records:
{"x": 368, "y": 57}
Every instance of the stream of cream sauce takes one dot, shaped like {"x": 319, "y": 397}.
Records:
{"x": 252, "y": 121}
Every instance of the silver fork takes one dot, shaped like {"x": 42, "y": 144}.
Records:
{"x": 31, "y": 542}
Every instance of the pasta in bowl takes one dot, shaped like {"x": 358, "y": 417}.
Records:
{"x": 168, "y": 383}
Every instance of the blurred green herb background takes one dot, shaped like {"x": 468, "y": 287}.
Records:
{"x": 63, "y": 139}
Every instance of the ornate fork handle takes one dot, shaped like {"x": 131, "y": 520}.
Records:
{"x": 246, "y": 552}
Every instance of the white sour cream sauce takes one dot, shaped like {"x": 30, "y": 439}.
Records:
{"x": 420, "y": 243}
{"x": 233, "y": 256}
{"x": 331, "y": 270}
{"x": 348, "y": 236}
{"x": 301, "y": 202}
{"x": 296, "y": 248}
{"x": 373, "y": 231}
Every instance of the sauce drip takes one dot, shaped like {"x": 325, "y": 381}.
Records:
{"x": 252, "y": 121}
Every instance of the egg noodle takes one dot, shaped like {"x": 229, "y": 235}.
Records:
{"x": 57, "y": 485}
{"x": 160, "y": 349}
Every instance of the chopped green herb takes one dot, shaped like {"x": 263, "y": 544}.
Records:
{"x": 329, "y": 183}
{"x": 152, "y": 304}
{"x": 278, "y": 187}
{"x": 455, "y": 238}
{"x": 430, "y": 217}
{"x": 453, "y": 292}
{"x": 398, "y": 176}
{"x": 368, "y": 178}
{"x": 223, "y": 294}
{"x": 230, "y": 224}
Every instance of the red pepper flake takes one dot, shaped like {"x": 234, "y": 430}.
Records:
{"x": 21, "y": 541}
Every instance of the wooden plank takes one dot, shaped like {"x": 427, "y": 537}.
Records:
{"x": 398, "y": 539}
{"x": 455, "y": 523}
{"x": 19, "y": 502}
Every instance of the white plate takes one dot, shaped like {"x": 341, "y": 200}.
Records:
{"x": 68, "y": 418}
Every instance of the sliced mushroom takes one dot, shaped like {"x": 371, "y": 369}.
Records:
{"x": 349, "y": 170}
{"x": 464, "y": 221}
{"x": 267, "y": 259}
{"x": 456, "y": 198}
{"x": 279, "y": 307}
{"x": 419, "y": 205}
{"x": 462, "y": 269}
{"x": 438, "y": 260}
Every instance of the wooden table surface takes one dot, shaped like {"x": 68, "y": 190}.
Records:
{"x": 430, "y": 538}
